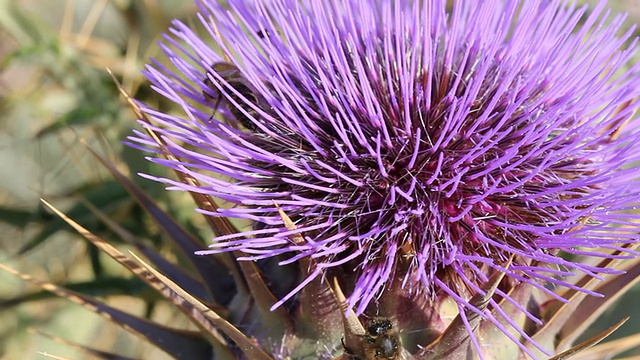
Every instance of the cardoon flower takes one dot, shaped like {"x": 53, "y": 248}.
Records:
{"x": 418, "y": 149}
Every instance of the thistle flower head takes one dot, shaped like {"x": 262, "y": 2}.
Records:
{"x": 416, "y": 147}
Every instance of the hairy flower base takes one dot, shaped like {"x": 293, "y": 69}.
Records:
{"x": 415, "y": 147}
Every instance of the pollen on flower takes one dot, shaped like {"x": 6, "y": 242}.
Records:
{"x": 411, "y": 143}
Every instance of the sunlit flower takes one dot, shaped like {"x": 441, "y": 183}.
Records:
{"x": 415, "y": 147}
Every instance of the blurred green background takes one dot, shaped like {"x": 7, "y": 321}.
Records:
{"x": 54, "y": 90}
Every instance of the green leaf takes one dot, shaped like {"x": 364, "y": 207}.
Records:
{"x": 17, "y": 217}
{"x": 100, "y": 287}
{"x": 106, "y": 195}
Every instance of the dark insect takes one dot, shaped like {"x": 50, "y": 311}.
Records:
{"x": 379, "y": 326}
{"x": 234, "y": 78}
{"x": 380, "y": 342}
{"x": 383, "y": 341}
{"x": 386, "y": 347}
{"x": 263, "y": 34}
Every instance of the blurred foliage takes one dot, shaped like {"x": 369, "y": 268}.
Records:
{"x": 55, "y": 92}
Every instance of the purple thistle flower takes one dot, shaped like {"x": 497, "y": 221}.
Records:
{"x": 410, "y": 143}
